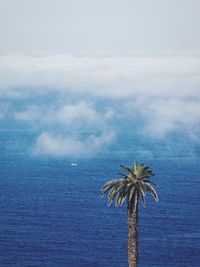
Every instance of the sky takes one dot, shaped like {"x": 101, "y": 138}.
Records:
{"x": 83, "y": 76}
{"x": 112, "y": 25}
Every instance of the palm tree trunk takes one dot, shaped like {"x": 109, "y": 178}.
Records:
{"x": 133, "y": 234}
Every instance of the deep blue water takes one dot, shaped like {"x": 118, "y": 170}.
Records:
{"x": 52, "y": 213}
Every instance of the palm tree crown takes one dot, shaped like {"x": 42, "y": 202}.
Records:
{"x": 136, "y": 183}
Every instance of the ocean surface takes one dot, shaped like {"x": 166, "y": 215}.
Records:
{"x": 51, "y": 213}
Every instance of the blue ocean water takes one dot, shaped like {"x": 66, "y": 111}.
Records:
{"x": 52, "y": 213}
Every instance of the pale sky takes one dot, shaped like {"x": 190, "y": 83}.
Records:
{"x": 66, "y": 26}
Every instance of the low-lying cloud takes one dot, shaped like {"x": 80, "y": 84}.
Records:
{"x": 115, "y": 77}
{"x": 164, "y": 116}
{"x": 96, "y": 94}
{"x": 65, "y": 127}
{"x": 80, "y": 115}
{"x": 60, "y": 145}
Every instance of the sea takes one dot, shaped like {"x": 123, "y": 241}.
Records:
{"x": 52, "y": 214}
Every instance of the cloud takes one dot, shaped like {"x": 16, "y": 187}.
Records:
{"x": 115, "y": 77}
{"x": 82, "y": 129}
{"x": 164, "y": 116}
{"x": 59, "y": 145}
{"x": 79, "y": 103}
{"x": 79, "y": 115}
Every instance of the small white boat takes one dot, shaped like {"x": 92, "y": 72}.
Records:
{"x": 74, "y": 164}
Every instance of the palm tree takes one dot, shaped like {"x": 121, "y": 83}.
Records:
{"x": 131, "y": 187}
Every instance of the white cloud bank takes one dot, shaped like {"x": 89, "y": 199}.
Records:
{"x": 126, "y": 76}
{"x": 162, "y": 90}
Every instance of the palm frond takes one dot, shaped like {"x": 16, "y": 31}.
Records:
{"x": 111, "y": 182}
{"x": 152, "y": 191}
{"x": 107, "y": 186}
{"x": 143, "y": 199}
{"x": 120, "y": 198}
{"x": 113, "y": 193}
{"x": 128, "y": 169}
{"x": 147, "y": 174}
{"x": 123, "y": 175}
{"x": 142, "y": 188}
{"x": 149, "y": 181}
